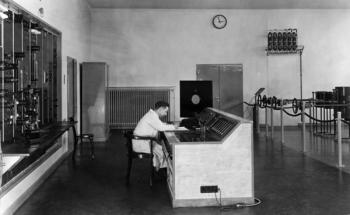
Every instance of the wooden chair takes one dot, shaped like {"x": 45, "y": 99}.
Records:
{"x": 83, "y": 138}
{"x": 88, "y": 138}
{"x": 131, "y": 154}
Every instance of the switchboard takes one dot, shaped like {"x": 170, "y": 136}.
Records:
{"x": 29, "y": 67}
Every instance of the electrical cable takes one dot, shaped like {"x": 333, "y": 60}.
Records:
{"x": 346, "y": 122}
{"x": 248, "y": 111}
{"x": 272, "y": 107}
{"x": 318, "y": 120}
{"x": 237, "y": 205}
{"x": 236, "y": 105}
{"x": 291, "y": 114}
{"x": 219, "y": 202}
{"x": 241, "y": 205}
{"x": 249, "y": 104}
{"x": 262, "y": 103}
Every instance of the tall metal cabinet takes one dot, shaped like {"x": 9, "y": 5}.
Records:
{"x": 94, "y": 100}
{"x": 227, "y": 85}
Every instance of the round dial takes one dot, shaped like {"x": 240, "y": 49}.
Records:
{"x": 219, "y": 21}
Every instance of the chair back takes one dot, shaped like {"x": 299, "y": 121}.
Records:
{"x": 129, "y": 136}
{"x": 131, "y": 154}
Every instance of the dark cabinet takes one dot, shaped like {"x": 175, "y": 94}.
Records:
{"x": 94, "y": 100}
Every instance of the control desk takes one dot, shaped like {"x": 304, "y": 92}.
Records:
{"x": 219, "y": 154}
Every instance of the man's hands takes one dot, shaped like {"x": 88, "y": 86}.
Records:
{"x": 175, "y": 123}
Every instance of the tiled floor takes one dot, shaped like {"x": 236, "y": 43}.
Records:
{"x": 287, "y": 182}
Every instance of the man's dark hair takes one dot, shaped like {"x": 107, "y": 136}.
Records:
{"x": 161, "y": 104}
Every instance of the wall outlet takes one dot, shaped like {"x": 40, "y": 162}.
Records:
{"x": 209, "y": 189}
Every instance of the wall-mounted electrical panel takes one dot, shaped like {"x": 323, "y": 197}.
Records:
{"x": 283, "y": 41}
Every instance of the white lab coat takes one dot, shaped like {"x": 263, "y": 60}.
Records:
{"x": 149, "y": 125}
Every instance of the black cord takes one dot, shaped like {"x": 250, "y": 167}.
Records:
{"x": 346, "y": 122}
{"x": 249, "y": 104}
{"x": 219, "y": 202}
{"x": 241, "y": 205}
{"x": 237, "y": 205}
{"x": 318, "y": 120}
{"x": 291, "y": 114}
{"x": 272, "y": 107}
{"x": 294, "y": 115}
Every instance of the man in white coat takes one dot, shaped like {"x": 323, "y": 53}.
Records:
{"x": 149, "y": 125}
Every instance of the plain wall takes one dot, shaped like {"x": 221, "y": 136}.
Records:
{"x": 146, "y": 47}
{"x": 160, "y": 47}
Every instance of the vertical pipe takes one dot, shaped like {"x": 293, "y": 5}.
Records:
{"x": 303, "y": 124}
{"x": 21, "y": 79}
{"x": 340, "y": 151}
{"x": 313, "y": 111}
{"x": 334, "y": 115}
{"x": 266, "y": 124}
{"x": 327, "y": 123}
{"x": 332, "y": 123}
{"x": 310, "y": 120}
{"x": 2, "y": 86}
{"x": 329, "y": 116}
{"x": 117, "y": 108}
{"x": 301, "y": 77}
{"x": 271, "y": 122}
{"x": 257, "y": 119}
{"x": 322, "y": 118}
{"x": 0, "y": 155}
{"x": 326, "y": 118}
{"x": 282, "y": 125}
{"x": 316, "y": 123}
{"x": 13, "y": 76}
{"x": 113, "y": 107}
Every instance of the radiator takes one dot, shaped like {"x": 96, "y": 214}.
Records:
{"x": 128, "y": 104}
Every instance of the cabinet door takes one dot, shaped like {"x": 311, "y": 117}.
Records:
{"x": 231, "y": 89}
{"x": 227, "y": 85}
{"x": 210, "y": 72}
{"x": 93, "y": 100}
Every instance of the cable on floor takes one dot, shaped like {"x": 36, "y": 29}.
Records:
{"x": 237, "y": 205}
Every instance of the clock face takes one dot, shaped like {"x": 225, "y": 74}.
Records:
{"x": 219, "y": 21}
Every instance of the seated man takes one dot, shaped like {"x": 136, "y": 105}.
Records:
{"x": 149, "y": 125}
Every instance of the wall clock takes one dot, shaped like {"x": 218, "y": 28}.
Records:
{"x": 219, "y": 21}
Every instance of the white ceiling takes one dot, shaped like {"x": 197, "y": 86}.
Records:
{"x": 222, "y": 4}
